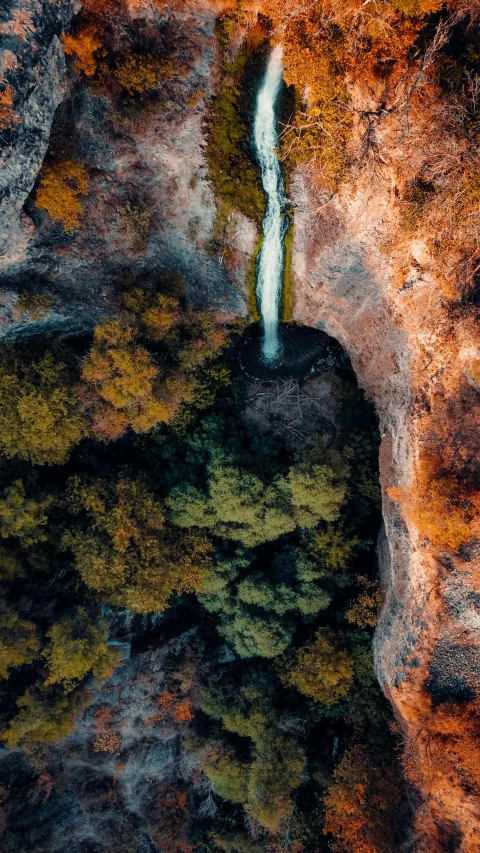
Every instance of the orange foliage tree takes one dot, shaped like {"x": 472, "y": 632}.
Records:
{"x": 61, "y": 185}
{"x": 360, "y": 804}
{"x": 119, "y": 388}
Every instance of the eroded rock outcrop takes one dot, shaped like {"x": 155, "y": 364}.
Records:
{"x": 32, "y": 71}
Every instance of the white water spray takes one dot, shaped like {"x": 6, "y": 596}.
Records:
{"x": 270, "y": 261}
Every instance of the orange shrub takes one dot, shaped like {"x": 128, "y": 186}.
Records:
{"x": 83, "y": 46}
{"x": 439, "y": 507}
{"x": 172, "y": 832}
{"x": 183, "y": 713}
{"x": 61, "y": 184}
{"x": 363, "y": 611}
{"x": 107, "y": 742}
{"x": 141, "y": 73}
{"x": 167, "y": 702}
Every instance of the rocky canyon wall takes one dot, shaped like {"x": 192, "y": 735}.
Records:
{"x": 410, "y": 351}
{"x": 411, "y": 348}
{"x": 151, "y": 163}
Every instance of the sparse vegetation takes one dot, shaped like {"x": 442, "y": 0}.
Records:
{"x": 136, "y": 222}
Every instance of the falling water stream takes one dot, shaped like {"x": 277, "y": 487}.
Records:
{"x": 271, "y": 257}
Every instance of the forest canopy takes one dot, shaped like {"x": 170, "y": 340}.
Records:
{"x": 155, "y": 494}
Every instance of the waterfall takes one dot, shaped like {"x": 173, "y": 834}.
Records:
{"x": 270, "y": 261}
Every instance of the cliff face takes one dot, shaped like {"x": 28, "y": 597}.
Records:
{"x": 411, "y": 351}
{"x": 411, "y": 348}
{"x": 151, "y": 163}
{"x": 32, "y": 69}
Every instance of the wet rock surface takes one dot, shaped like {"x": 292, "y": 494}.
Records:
{"x": 303, "y": 351}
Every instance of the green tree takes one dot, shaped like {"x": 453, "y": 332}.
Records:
{"x": 252, "y": 635}
{"x": 22, "y": 517}
{"x": 282, "y": 598}
{"x": 39, "y": 416}
{"x": 216, "y": 589}
{"x": 333, "y": 547}
{"x": 76, "y": 648}
{"x": 123, "y": 548}
{"x": 274, "y": 774}
{"x": 229, "y": 777}
{"x": 277, "y": 764}
{"x": 239, "y": 506}
{"x": 43, "y": 716}
{"x": 317, "y": 492}
{"x": 322, "y": 670}
{"x": 19, "y": 641}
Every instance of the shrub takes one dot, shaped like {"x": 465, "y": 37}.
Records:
{"x": 8, "y": 118}
{"x": 139, "y": 74}
{"x": 136, "y": 221}
{"x": 108, "y": 741}
{"x": 417, "y": 8}
{"x": 364, "y": 609}
{"x": 61, "y": 185}
{"x": 34, "y": 304}
{"x": 231, "y": 163}
{"x": 172, "y": 832}
{"x": 441, "y": 515}
{"x": 83, "y": 46}
{"x": 439, "y": 507}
